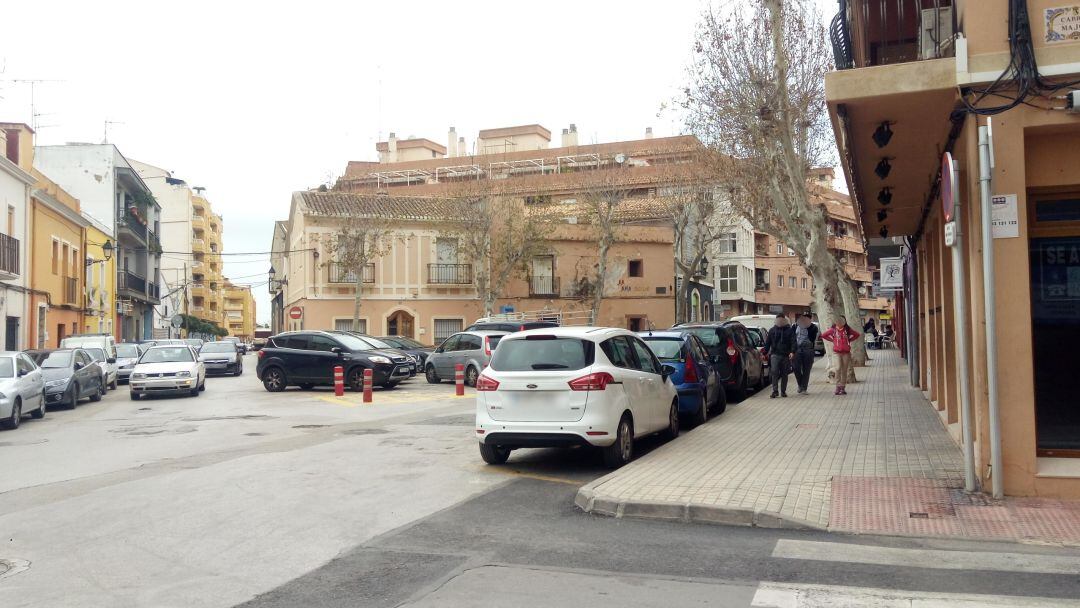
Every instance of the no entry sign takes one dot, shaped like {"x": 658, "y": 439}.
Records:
{"x": 296, "y": 313}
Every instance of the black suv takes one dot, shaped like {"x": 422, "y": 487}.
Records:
{"x": 510, "y": 326}
{"x": 732, "y": 349}
{"x": 308, "y": 358}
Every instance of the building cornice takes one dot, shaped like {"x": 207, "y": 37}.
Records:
{"x": 16, "y": 171}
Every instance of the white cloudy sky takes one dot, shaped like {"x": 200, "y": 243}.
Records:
{"x": 254, "y": 100}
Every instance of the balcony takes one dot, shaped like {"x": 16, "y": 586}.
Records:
{"x": 71, "y": 290}
{"x": 198, "y": 309}
{"x": 449, "y": 274}
{"x": 762, "y": 287}
{"x": 9, "y": 257}
{"x": 128, "y": 223}
{"x": 868, "y": 33}
{"x": 137, "y": 286}
{"x": 543, "y": 286}
{"x": 198, "y": 222}
{"x": 198, "y": 245}
{"x": 339, "y": 273}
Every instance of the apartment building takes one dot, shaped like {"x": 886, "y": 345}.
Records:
{"x": 239, "y": 311}
{"x": 111, "y": 191}
{"x": 917, "y": 161}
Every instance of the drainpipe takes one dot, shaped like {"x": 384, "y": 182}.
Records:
{"x": 961, "y": 314}
{"x": 991, "y": 315}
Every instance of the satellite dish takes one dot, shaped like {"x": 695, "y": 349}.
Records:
{"x": 620, "y": 158}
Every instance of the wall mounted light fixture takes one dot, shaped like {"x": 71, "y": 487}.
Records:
{"x": 884, "y": 196}
{"x": 882, "y": 135}
{"x": 883, "y": 168}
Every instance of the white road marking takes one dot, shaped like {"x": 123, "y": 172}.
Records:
{"x": 789, "y": 595}
{"x": 927, "y": 558}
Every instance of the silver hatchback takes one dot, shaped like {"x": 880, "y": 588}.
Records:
{"x": 471, "y": 349}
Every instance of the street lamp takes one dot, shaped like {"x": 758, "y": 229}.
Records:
{"x": 107, "y": 250}
{"x": 273, "y": 273}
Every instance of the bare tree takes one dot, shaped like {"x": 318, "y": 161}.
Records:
{"x": 756, "y": 98}
{"x": 498, "y": 234}
{"x": 600, "y": 193}
{"x": 357, "y": 243}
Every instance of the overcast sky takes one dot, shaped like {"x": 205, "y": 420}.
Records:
{"x": 256, "y": 100}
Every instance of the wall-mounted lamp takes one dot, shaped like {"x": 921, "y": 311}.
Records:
{"x": 883, "y": 168}
{"x": 884, "y": 196}
{"x": 107, "y": 250}
{"x": 882, "y": 135}
{"x": 882, "y": 215}
{"x": 884, "y": 232}
{"x": 273, "y": 273}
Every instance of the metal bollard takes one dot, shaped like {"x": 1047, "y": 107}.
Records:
{"x": 367, "y": 385}
{"x": 339, "y": 381}
{"x": 459, "y": 379}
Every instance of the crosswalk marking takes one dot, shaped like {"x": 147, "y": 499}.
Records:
{"x": 788, "y": 595}
{"x": 927, "y": 558}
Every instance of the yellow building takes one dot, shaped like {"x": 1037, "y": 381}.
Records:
{"x": 57, "y": 246}
{"x": 100, "y": 281}
{"x": 239, "y": 309}
{"x": 208, "y": 282}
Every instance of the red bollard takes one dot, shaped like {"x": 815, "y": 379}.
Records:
{"x": 367, "y": 385}
{"x": 459, "y": 380}
{"x": 339, "y": 381}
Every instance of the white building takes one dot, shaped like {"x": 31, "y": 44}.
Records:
{"x": 111, "y": 191}
{"x": 731, "y": 262}
{"x": 16, "y": 183}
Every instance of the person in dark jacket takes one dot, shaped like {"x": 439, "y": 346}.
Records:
{"x": 780, "y": 348}
{"x": 806, "y": 335}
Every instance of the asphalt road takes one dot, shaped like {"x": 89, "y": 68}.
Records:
{"x": 243, "y": 497}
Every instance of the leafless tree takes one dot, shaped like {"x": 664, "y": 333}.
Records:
{"x": 358, "y": 242}
{"x": 756, "y": 97}
{"x": 600, "y": 192}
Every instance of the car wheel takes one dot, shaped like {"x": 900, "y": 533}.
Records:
{"x": 702, "y": 415}
{"x": 73, "y": 401}
{"x": 194, "y": 391}
{"x": 742, "y": 388}
{"x": 114, "y": 384}
{"x": 355, "y": 380}
{"x": 97, "y": 394}
{"x": 202, "y": 387}
{"x": 494, "y": 454}
{"x": 721, "y": 402}
{"x": 471, "y": 375}
{"x": 389, "y": 385}
{"x": 39, "y": 413}
{"x": 239, "y": 370}
{"x": 307, "y": 386}
{"x": 672, "y": 430}
{"x": 135, "y": 396}
{"x": 274, "y": 380}
{"x": 432, "y": 377}
{"x": 12, "y": 422}
{"x": 622, "y": 451}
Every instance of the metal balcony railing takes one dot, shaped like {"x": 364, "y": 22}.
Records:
{"x": 130, "y": 281}
{"x": 881, "y": 32}
{"x": 543, "y": 286}
{"x": 9, "y": 254}
{"x": 130, "y": 223}
{"x": 761, "y": 287}
{"x": 339, "y": 273}
{"x": 449, "y": 274}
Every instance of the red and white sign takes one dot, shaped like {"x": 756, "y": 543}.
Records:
{"x": 948, "y": 186}
{"x": 296, "y": 313}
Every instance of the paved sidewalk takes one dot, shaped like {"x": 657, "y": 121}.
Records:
{"x": 876, "y": 461}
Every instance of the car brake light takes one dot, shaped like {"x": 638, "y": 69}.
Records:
{"x": 483, "y": 383}
{"x": 690, "y": 374}
{"x": 731, "y": 352}
{"x": 487, "y": 346}
{"x": 261, "y": 353}
{"x": 597, "y": 381}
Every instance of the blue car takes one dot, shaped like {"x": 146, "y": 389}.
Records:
{"x": 700, "y": 387}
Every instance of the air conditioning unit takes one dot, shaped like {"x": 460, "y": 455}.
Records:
{"x": 935, "y": 32}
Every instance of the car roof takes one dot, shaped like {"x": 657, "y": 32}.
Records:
{"x": 663, "y": 334}
{"x": 573, "y": 331}
{"x": 720, "y": 324}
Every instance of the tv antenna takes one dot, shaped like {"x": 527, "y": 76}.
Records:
{"x": 33, "y": 82}
{"x": 107, "y": 123}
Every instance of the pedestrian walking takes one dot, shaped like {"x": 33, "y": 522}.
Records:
{"x": 780, "y": 348}
{"x": 806, "y": 335}
{"x": 841, "y": 335}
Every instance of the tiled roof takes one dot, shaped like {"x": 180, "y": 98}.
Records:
{"x": 339, "y": 204}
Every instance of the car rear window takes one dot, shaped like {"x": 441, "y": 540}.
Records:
{"x": 538, "y": 353}
{"x": 666, "y": 349}
{"x": 708, "y": 335}
{"x": 493, "y": 341}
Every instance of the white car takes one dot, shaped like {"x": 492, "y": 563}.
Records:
{"x": 102, "y": 347}
{"x": 22, "y": 389}
{"x": 568, "y": 386}
{"x": 169, "y": 369}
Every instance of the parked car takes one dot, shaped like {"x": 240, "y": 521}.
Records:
{"x": 699, "y": 385}
{"x": 759, "y": 336}
{"x": 414, "y": 348}
{"x": 168, "y": 370}
{"x": 98, "y": 355}
{"x": 241, "y": 347}
{"x": 222, "y": 357}
{"x": 729, "y": 346}
{"x": 383, "y": 346}
{"x": 571, "y": 386}
{"x": 509, "y": 326}
{"x": 471, "y": 349}
{"x": 127, "y": 355}
{"x": 195, "y": 343}
{"x": 22, "y": 389}
{"x": 70, "y": 374}
{"x": 766, "y": 321}
{"x": 106, "y": 359}
{"x": 307, "y": 359}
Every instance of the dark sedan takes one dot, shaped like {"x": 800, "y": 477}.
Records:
{"x": 221, "y": 358}
{"x": 308, "y": 358}
{"x": 408, "y": 345}
{"x": 70, "y": 375}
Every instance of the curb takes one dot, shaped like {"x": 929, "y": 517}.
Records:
{"x": 588, "y": 501}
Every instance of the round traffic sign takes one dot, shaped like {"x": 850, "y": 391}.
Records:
{"x": 296, "y": 313}
{"x": 948, "y": 186}
{"x": 176, "y": 321}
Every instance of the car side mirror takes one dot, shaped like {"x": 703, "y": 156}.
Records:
{"x": 667, "y": 371}
{"x": 78, "y": 366}
{"x": 336, "y": 350}
{"x": 111, "y": 360}
{"x": 23, "y": 372}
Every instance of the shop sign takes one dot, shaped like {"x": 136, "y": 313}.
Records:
{"x": 1004, "y": 219}
{"x": 892, "y": 274}
{"x": 1062, "y": 24}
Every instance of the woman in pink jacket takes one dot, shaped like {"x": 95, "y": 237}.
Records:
{"x": 841, "y": 336}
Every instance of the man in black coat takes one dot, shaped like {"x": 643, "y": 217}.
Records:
{"x": 805, "y": 334}
{"x": 780, "y": 348}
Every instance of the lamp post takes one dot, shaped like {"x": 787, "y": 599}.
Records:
{"x": 106, "y": 250}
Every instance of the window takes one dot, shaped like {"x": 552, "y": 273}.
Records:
{"x": 791, "y": 282}
{"x": 635, "y": 268}
{"x": 55, "y": 255}
{"x": 619, "y": 352}
{"x": 779, "y": 280}
{"x": 804, "y": 282}
{"x": 538, "y": 354}
{"x": 727, "y": 279}
{"x": 728, "y": 242}
{"x": 469, "y": 342}
{"x": 444, "y": 328}
{"x": 11, "y": 220}
{"x": 322, "y": 343}
{"x": 74, "y": 262}
{"x": 790, "y": 251}
{"x": 346, "y": 325}
{"x": 647, "y": 361}
{"x": 446, "y": 251}
{"x": 65, "y": 259}
{"x": 779, "y": 249}
{"x": 449, "y": 345}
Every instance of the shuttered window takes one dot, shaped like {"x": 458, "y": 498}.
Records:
{"x": 346, "y": 325}
{"x": 444, "y": 328}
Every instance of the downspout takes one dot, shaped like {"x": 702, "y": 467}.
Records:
{"x": 996, "y": 472}
{"x": 961, "y": 314}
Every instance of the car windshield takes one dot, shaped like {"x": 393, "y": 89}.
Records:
{"x": 537, "y": 353}
{"x": 666, "y": 349}
{"x": 7, "y": 368}
{"x": 218, "y": 347}
{"x": 127, "y": 351}
{"x": 167, "y": 354}
{"x": 96, "y": 354}
{"x": 352, "y": 342}
{"x": 493, "y": 341}
{"x": 53, "y": 360}
{"x": 377, "y": 343}
{"x": 403, "y": 342}
{"x": 195, "y": 342}
{"x": 707, "y": 334}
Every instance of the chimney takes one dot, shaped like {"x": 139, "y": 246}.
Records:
{"x": 648, "y": 132}
{"x": 451, "y": 142}
{"x": 391, "y": 148}
{"x": 569, "y": 136}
